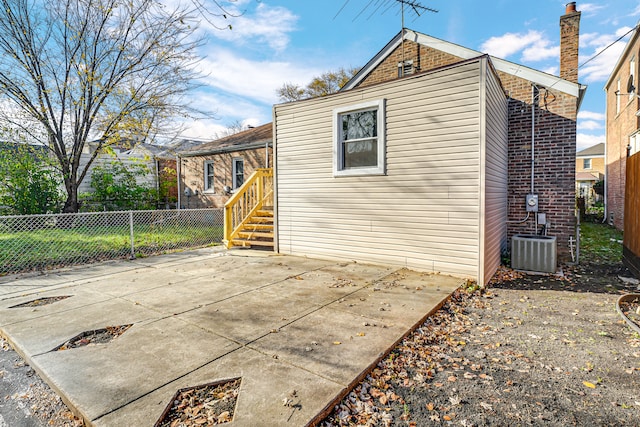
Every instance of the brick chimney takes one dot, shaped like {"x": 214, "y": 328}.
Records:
{"x": 569, "y": 37}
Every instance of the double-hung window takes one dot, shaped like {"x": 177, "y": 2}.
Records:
{"x": 238, "y": 172}
{"x": 632, "y": 79}
{"x": 359, "y": 139}
{"x": 208, "y": 176}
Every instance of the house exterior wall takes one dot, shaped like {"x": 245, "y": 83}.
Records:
{"x": 128, "y": 159}
{"x": 621, "y": 123}
{"x": 597, "y": 164}
{"x": 493, "y": 209}
{"x": 424, "y": 212}
{"x": 555, "y": 145}
{"x": 554, "y": 150}
{"x": 167, "y": 183}
{"x": 192, "y": 176}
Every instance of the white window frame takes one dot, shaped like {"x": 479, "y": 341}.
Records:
{"x": 632, "y": 73}
{"x": 234, "y": 171}
{"x": 618, "y": 95}
{"x": 380, "y": 168}
{"x": 207, "y": 188}
{"x": 586, "y": 164}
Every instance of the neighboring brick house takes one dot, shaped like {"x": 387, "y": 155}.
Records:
{"x": 540, "y": 162}
{"x": 623, "y": 126}
{"x": 590, "y": 169}
{"x": 209, "y": 173}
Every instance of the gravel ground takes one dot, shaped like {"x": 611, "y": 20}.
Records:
{"x": 528, "y": 350}
{"x": 26, "y": 400}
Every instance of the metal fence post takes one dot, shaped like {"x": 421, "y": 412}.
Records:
{"x": 133, "y": 253}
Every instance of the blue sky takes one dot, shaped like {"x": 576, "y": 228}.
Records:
{"x": 278, "y": 41}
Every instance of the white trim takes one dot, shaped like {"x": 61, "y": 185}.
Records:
{"x": 379, "y": 169}
{"x": 234, "y": 171}
{"x": 621, "y": 58}
{"x": 206, "y": 188}
{"x": 529, "y": 74}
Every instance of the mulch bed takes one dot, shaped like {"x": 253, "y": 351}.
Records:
{"x": 206, "y": 405}
{"x": 98, "y": 336}
{"x": 41, "y": 301}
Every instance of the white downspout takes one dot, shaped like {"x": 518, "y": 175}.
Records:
{"x": 606, "y": 165}
{"x": 533, "y": 135}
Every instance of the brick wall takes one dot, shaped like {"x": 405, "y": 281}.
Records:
{"x": 621, "y": 123}
{"x": 554, "y": 150}
{"x": 555, "y": 146}
{"x": 569, "y": 30}
{"x": 192, "y": 176}
{"x": 424, "y": 59}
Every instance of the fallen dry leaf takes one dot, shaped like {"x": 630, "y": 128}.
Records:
{"x": 588, "y": 384}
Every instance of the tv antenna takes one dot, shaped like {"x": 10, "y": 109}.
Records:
{"x": 413, "y": 7}
{"x": 417, "y": 8}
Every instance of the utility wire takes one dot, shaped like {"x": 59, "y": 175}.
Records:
{"x": 616, "y": 41}
{"x": 343, "y": 6}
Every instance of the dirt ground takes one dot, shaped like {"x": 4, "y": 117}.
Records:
{"x": 528, "y": 350}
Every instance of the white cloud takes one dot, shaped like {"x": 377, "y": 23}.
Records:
{"x": 584, "y": 140}
{"x": 509, "y": 43}
{"x": 269, "y": 26}
{"x": 590, "y": 8}
{"x": 257, "y": 80}
{"x": 591, "y": 115}
{"x": 533, "y": 45}
{"x": 540, "y": 51}
{"x": 589, "y": 125}
{"x": 599, "y": 69}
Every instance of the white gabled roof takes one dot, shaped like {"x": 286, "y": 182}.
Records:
{"x": 508, "y": 67}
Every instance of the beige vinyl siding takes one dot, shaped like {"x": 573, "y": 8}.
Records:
{"x": 128, "y": 160}
{"x": 424, "y": 213}
{"x": 494, "y": 185}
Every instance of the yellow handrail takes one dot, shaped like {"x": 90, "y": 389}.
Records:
{"x": 255, "y": 193}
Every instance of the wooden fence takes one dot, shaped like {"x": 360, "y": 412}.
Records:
{"x": 631, "y": 242}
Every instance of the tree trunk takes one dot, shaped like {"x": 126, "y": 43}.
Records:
{"x": 71, "y": 205}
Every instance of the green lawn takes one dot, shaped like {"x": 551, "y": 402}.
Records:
{"x": 600, "y": 243}
{"x": 55, "y": 247}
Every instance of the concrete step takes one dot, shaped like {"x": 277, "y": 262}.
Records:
{"x": 249, "y": 243}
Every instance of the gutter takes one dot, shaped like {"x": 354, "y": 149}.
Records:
{"x": 230, "y": 149}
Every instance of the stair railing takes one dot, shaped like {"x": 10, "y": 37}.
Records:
{"x": 256, "y": 192}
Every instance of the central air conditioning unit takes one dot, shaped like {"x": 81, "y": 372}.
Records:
{"x": 534, "y": 253}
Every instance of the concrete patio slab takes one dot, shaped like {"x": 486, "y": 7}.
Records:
{"x": 280, "y": 323}
{"x": 78, "y": 297}
{"x": 266, "y": 382}
{"x": 247, "y": 317}
{"x": 114, "y": 372}
{"x": 43, "y": 333}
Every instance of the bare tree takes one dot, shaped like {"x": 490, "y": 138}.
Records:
{"x": 325, "y": 84}
{"x": 93, "y": 70}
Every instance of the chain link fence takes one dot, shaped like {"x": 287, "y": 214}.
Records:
{"x": 40, "y": 242}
